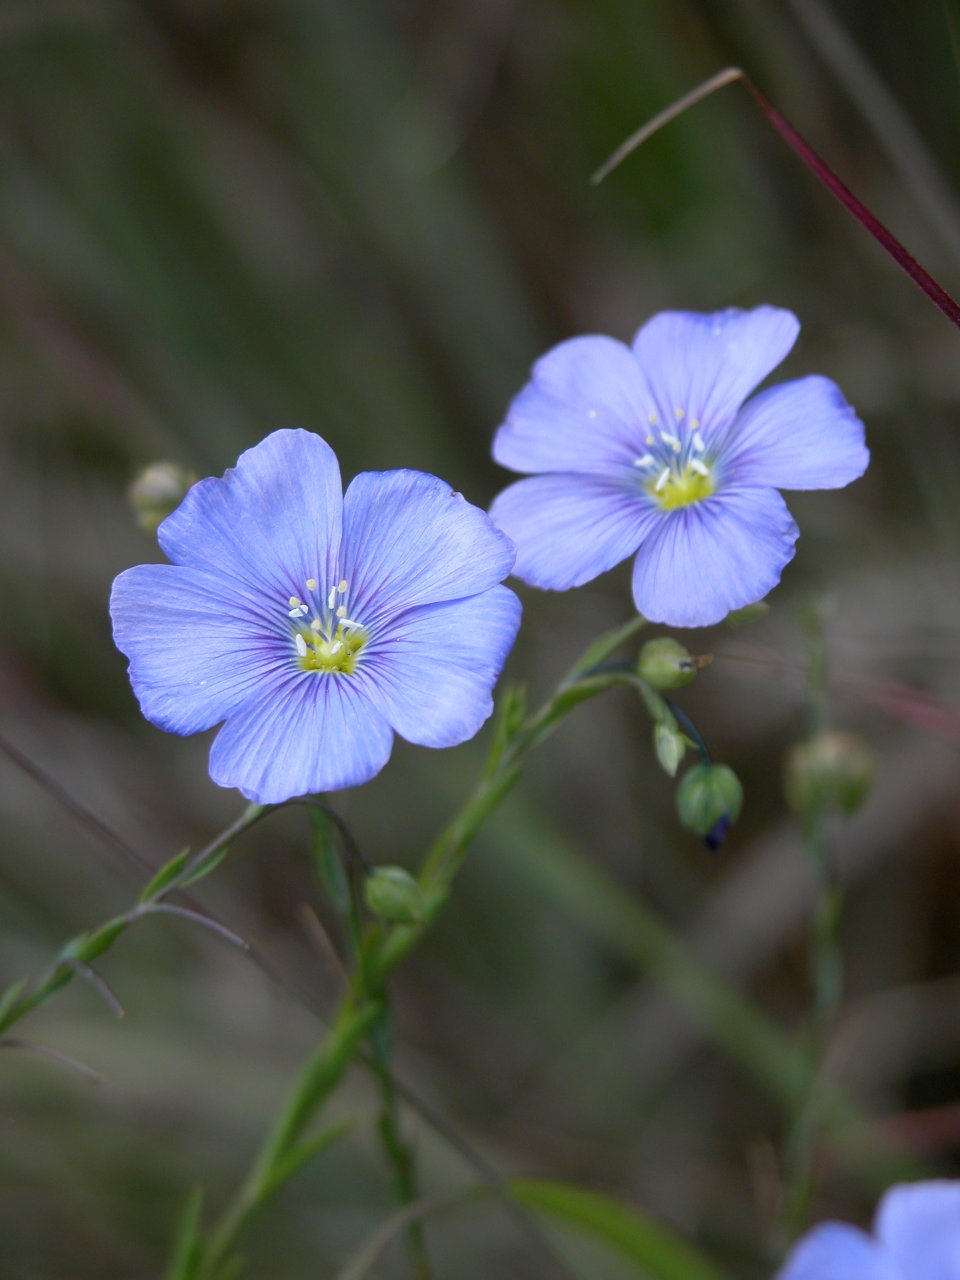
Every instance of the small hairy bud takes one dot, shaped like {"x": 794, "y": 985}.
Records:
{"x": 709, "y": 798}
{"x": 158, "y": 490}
{"x": 392, "y": 894}
{"x": 831, "y": 772}
{"x": 665, "y": 664}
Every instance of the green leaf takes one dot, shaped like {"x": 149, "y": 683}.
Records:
{"x": 168, "y": 872}
{"x": 658, "y": 1251}
{"x": 328, "y": 862}
{"x": 206, "y": 865}
{"x": 187, "y": 1245}
{"x": 10, "y": 997}
{"x": 294, "y": 1161}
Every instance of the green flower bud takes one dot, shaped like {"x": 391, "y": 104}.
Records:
{"x": 832, "y": 772}
{"x": 665, "y": 664}
{"x": 158, "y": 490}
{"x": 749, "y": 613}
{"x": 708, "y": 795}
{"x": 670, "y": 746}
{"x": 392, "y": 894}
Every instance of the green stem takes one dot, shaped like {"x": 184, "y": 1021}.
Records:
{"x": 398, "y": 1150}
{"x": 82, "y": 950}
{"x": 317, "y": 1081}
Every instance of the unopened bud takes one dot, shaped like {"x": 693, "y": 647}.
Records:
{"x": 670, "y": 746}
{"x": 158, "y": 490}
{"x": 749, "y": 613}
{"x": 665, "y": 664}
{"x": 709, "y": 798}
{"x": 831, "y": 772}
{"x": 393, "y": 895}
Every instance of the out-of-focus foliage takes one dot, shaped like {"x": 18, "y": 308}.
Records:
{"x": 218, "y": 217}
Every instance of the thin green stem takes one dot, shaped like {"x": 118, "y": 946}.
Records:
{"x": 78, "y": 954}
{"x": 317, "y": 1081}
{"x": 826, "y": 957}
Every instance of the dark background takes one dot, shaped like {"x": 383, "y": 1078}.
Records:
{"x": 220, "y": 217}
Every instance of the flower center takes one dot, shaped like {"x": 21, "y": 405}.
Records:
{"x": 330, "y": 641}
{"x": 677, "y": 470}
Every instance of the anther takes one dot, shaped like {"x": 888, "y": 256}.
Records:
{"x": 342, "y": 611}
{"x": 649, "y": 440}
{"x": 652, "y": 419}
{"x": 678, "y": 414}
{"x": 311, "y": 584}
{"x": 342, "y": 585}
{"x": 294, "y": 602}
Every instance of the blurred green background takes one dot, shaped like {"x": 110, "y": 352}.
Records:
{"x": 218, "y": 217}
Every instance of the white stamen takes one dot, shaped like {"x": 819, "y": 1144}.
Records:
{"x": 670, "y": 439}
{"x": 662, "y": 479}
{"x": 349, "y": 622}
{"x": 698, "y": 444}
{"x": 678, "y": 414}
{"x": 298, "y": 612}
{"x": 311, "y": 584}
{"x": 301, "y": 645}
{"x": 332, "y": 598}
{"x": 336, "y": 647}
{"x": 699, "y": 467}
{"x": 648, "y": 460}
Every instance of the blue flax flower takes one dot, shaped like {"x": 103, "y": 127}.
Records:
{"x": 651, "y": 449}
{"x": 314, "y": 623}
{"x": 916, "y": 1237}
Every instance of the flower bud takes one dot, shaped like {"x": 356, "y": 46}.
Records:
{"x": 830, "y": 772}
{"x": 709, "y": 797}
{"x": 392, "y": 894}
{"x": 158, "y": 490}
{"x": 665, "y": 664}
{"x": 670, "y": 746}
{"x": 749, "y": 613}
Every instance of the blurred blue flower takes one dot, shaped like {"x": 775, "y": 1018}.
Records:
{"x": 650, "y": 448}
{"x": 317, "y": 623}
{"x": 916, "y": 1237}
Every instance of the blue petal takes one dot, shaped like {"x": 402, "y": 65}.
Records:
{"x": 434, "y": 668}
{"x": 800, "y": 435}
{"x": 570, "y": 528}
{"x": 713, "y": 556}
{"x": 585, "y": 409}
{"x": 707, "y": 365}
{"x": 198, "y": 643}
{"x": 834, "y": 1251}
{"x": 300, "y": 734}
{"x": 409, "y": 539}
{"x": 274, "y": 518}
{"x": 919, "y": 1224}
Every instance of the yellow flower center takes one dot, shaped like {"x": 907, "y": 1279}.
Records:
{"x": 681, "y": 487}
{"x": 331, "y": 641}
{"x": 677, "y": 466}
